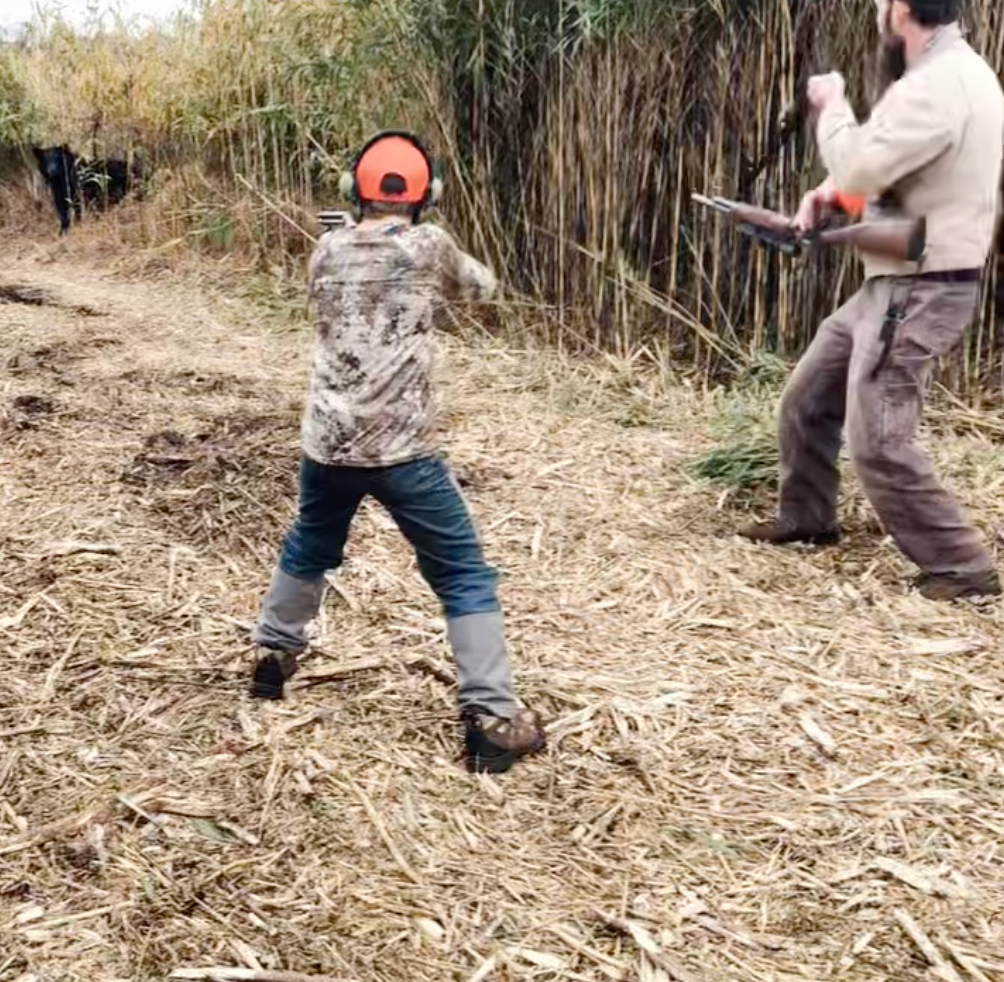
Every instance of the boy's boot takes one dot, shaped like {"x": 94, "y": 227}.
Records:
{"x": 289, "y": 606}
{"x": 497, "y": 730}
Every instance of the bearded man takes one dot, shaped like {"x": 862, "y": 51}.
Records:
{"x": 931, "y": 149}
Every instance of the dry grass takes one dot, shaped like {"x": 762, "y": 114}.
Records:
{"x": 764, "y": 765}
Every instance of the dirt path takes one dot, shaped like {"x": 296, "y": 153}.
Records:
{"x": 778, "y": 764}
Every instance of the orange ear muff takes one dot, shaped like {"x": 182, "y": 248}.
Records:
{"x": 397, "y": 154}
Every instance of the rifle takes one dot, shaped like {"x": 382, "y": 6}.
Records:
{"x": 899, "y": 239}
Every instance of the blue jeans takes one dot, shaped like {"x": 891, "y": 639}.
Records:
{"x": 426, "y": 504}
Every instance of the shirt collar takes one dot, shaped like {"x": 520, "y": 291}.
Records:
{"x": 942, "y": 39}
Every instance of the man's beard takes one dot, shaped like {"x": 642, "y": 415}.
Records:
{"x": 891, "y": 59}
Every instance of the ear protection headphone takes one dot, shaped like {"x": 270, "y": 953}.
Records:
{"x": 349, "y": 186}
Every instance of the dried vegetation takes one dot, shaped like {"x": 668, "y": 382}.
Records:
{"x": 764, "y": 765}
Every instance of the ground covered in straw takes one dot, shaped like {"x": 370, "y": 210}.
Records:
{"x": 763, "y": 765}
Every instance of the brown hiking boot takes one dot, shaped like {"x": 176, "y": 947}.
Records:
{"x": 493, "y": 743}
{"x": 271, "y": 672}
{"x": 783, "y": 532}
{"x": 955, "y": 586}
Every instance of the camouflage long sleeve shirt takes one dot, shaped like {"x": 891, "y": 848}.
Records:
{"x": 377, "y": 288}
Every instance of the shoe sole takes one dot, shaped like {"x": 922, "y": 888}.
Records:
{"x": 963, "y": 595}
{"x": 820, "y": 542}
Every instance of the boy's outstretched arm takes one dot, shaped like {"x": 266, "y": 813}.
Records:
{"x": 463, "y": 277}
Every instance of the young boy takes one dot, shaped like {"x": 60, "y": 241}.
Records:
{"x": 368, "y": 430}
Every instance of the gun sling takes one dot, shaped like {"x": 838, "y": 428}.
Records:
{"x": 896, "y": 312}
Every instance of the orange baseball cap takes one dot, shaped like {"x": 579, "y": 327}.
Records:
{"x": 393, "y": 168}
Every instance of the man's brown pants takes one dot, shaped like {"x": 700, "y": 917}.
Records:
{"x": 836, "y": 382}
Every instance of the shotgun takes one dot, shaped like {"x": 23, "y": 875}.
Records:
{"x": 331, "y": 218}
{"x": 900, "y": 239}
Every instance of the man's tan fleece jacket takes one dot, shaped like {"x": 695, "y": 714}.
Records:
{"x": 936, "y": 139}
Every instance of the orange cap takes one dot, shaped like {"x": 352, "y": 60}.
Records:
{"x": 393, "y": 156}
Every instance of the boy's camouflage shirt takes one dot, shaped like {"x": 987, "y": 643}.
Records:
{"x": 376, "y": 288}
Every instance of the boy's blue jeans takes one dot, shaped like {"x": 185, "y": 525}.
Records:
{"x": 426, "y": 504}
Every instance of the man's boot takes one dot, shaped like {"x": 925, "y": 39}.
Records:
{"x": 958, "y": 586}
{"x": 786, "y": 532}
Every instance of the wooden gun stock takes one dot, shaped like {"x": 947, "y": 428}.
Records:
{"x": 901, "y": 240}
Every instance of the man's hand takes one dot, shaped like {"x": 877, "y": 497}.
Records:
{"x": 811, "y": 209}
{"x": 824, "y": 90}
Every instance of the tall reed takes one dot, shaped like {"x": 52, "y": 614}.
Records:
{"x": 586, "y": 132}
{"x": 573, "y": 133}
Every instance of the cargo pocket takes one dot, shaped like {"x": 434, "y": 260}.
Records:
{"x": 935, "y": 316}
{"x": 902, "y": 401}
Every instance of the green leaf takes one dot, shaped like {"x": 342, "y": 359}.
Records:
{"x": 207, "y": 828}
